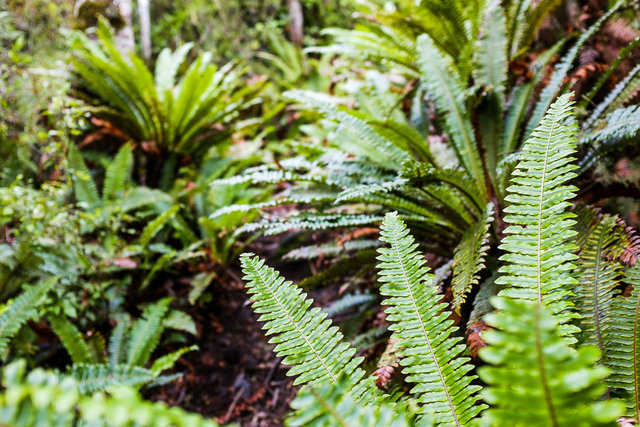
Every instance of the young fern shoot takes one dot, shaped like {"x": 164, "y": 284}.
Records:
{"x": 431, "y": 356}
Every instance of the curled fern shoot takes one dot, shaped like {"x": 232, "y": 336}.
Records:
{"x": 432, "y": 357}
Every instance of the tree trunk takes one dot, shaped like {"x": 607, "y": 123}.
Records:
{"x": 125, "y": 41}
{"x": 145, "y": 28}
{"x": 296, "y": 23}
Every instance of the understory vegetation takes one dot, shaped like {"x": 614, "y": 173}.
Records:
{"x": 451, "y": 186}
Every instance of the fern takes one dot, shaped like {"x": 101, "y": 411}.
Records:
{"x": 448, "y": 93}
{"x": 618, "y": 96}
{"x": 44, "y": 398}
{"x": 98, "y": 377}
{"x": 562, "y": 69}
{"x": 71, "y": 339}
{"x": 85, "y": 188}
{"x": 332, "y": 405}
{"x": 305, "y": 338}
{"x": 469, "y": 258}
{"x": 431, "y": 356}
{"x": 598, "y": 278}
{"x": 534, "y": 377}
{"x": 117, "y": 173}
{"x": 20, "y": 310}
{"x": 623, "y": 346}
{"x": 146, "y": 332}
{"x": 118, "y": 343}
{"x": 538, "y": 255}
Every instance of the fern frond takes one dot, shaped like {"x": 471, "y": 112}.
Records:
{"x": 330, "y": 249}
{"x": 562, "y": 69}
{"x": 308, "y": 222}
{"x": 100, "y": 377}
{"x": 332, "y": 405}
{"x": 346, "y": 302}
{"x": 146, "y": 332}
{"x": 118, "y": 342}
{"x": 71, "y": 338}
{"x": 538, "y": 254}
{"x": 85, "y": 188}
{"x": 20, "y": 310}
{"x": 305, "y": 338}
{"x": 619, "y": 95}
{"x": 117, "y": 173}
{"x": 534, "y": 377}
{"x": 168, "y": 361}
{"x": 469, "y": 258}
{"x": 623, "y": 346}
{"x": 432, "y": 357}
{"x": 389, "y": 154}
{"x": 180, "y": 321}
{"x": 598, "y": 277}
{"x": 448, "y": 92}
{"x": 622, "y": 128}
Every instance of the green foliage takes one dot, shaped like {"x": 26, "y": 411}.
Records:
{"x": 20, "y": 310}
{"x": 305, "y": 338}
{"x": 431, "y": 356}
{"x": 537, "y": 247}
{"x": 469, "y": 258}
{"x": 177, "y": 117}
{"x": 534, "y": 377}
{"x": 333, "y": 405}
{"x": 623, "y": 344}
{"x": 44, "y": 398}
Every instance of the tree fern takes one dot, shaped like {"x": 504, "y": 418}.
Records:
{"x": 534, "y": 377}
{"x": 20, "y": 310}
{"x": 423, "y": 331}
{"x": 538, "y": 255}
{"x": 623, "y": 346}
{"x": 469, "y": 258}
{"x": 305, "y": 338}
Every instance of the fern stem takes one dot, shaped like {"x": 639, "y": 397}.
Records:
{"x": 635, "y": 359}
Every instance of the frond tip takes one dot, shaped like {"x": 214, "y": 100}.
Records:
{"x": 423, "y": 331}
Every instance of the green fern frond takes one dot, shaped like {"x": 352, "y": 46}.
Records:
{"x": 389, "y": 154}
{"x": 346, "y": 302}
{"x": 598, "y": 277}
{"x": 118, "y": 342}
{"x": 632, "y": 77}
{"x": 100, "y": 377}
{"x": 623, "y": 346}
{"x": 622, "y": 128}
{"x": 538, "y": 254}
{"x": 180, "y": 321}
{"x": 308, "y": 222}
{"x": 167, "y": 66}
{"x": 431, "y": 356}
{"x": 562, "y": 69}
{"x": 332, "y": 405}
{"x": 469, "y": 258}
{"x": 449, "y": 95}
{"x": 20, "y": 310}
{"x": 168, "y": 361}
{"x": 117, "y": 173}
{"x": 71, "y": 338}
{"x": 534, "y": 378}
{"x": 534, "y": 17}
{"x": 146, "y": 332}
{"x": 619, "y": 95}
{"x": 490, "y": 59}
{"x": 305, "y": 338}
{"x": 330, "y": 249}
{"x": 158, "y": 223}
{"x": 85, "y": 188}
